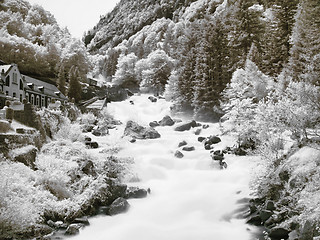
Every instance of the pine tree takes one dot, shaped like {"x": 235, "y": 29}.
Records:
{"x": 74, "y": 91}
{"x": 245, "y": 27}
{"x": 305, "y": 57}
{"x": 276, "y": 43}
{"x": 212, "y": 70}
{"x": 62, "y": 79}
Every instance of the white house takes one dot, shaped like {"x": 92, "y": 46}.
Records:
{"x": 11, "y": 84}
{"x": 16, "y": 86}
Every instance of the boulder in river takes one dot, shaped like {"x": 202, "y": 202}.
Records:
{"x": 279, "y": 233}
{"x": 183, "y": 143}
{"x": 188, "y": 149}
{"x": 166, "y": 121}
{"x": 178, "y": 154}
{"x": 154, "y": 124}
{"x": 186, "y": 126}
{"x": 153, "y": 99}
{"x": 134, "y": 130}
{"x": 73, "y": 229}
{"x": 120, "y": 205}
{"x": 135, "y": 192}
{"x": 212, "y": 140}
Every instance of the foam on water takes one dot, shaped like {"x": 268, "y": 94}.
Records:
{"x": 191, "y": 198}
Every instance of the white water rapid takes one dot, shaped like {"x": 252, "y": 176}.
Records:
{"x": 191, "y": 198}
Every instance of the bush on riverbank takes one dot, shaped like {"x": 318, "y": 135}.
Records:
{"x": 281, "y": 117}
{"x": 69, "y": 180}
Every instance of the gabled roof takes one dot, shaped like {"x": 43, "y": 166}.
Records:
{"x": 5, "y": 68}
{"x": 42, "y": 87}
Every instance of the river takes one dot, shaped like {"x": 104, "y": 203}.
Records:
{"x": 191, "y": 198}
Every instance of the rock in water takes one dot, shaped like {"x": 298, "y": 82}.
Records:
{"x": 135, "y": 192}
{"x": 134, "y": 130}
{"x": 188, "y": 149}
{"x": 166, "y": 121}
{"x": 178, "y": 154}
{"x": 183, "y": 143}
{"x": 120, "y": 205}
{"x": 186, "y": 126}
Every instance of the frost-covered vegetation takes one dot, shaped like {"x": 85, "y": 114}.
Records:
{"x": 69, "y": 178}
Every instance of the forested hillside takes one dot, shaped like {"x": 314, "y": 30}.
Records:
{"x": 31, "y": 38}
{"x": 194, "y": 47}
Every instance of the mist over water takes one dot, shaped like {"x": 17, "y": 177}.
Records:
{"x": 191, "y": 198}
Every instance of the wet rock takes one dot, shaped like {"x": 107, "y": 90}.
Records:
{"x": 188, "y": 149}
{"x": 132, "y": 140}
{"x": 284, "y": 175}
{"x": 212, "y": 140}
{"x": 87, "y": 128}
{"x": 139, "y": 132}
{"x": 186, "y": 126}
{"x": 178, "y": 154}
{"x": 218, "y": 158}
{"x": 183, "y": 143}
{"x": 92, "y": 144}
{"x": 208, "y": 147}
{"x": 120, "y": 205}
{"x": 152, "y": 99}
{"x": 73, "y": 229}
{"x": 154, "y": 124}
{"x": 101, "y": 131}
{"x": 88, "y": 168}
{"x": 198, "y": 131}
{"x": 82, "y": 220}
{"x": 255, "y": 219}
{"x": 205, "y": 126}
{"x": 265, "y": 215}
{"x": 239, "y": 152}
{"x": 87, "y": 139}
{"x": 278, "y": 233}
{"x": 166, "y": 121}
{"x": 116, "y": 191}
{"x": 135, "y": 192}
{"x": 270, "y": 206}
{"x": 201, "y": 139}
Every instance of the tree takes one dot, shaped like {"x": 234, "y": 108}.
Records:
{"x": 212, "y": 70}
{"x": 304, "y": 61}
{"x": 62, "y": 79}
{"x": 125, "y": 75}
{"x": 156, "y": 75}
{"x": 74, "y": 91}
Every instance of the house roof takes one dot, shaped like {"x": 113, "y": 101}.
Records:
{"x": 5, "y": 68}
{"x": 41, "y": 87}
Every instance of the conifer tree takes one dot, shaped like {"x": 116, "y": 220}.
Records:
{"x": 305, "y": 57}
{"x": 74, "y": 91}
{"x": 62, "y": 79}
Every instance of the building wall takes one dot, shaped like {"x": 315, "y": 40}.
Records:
{"x": 14, "y": 80}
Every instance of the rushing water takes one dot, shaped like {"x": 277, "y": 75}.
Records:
{"x": 191, "y": 198}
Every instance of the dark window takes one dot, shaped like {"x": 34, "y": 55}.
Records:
{"x": 20, "y": 97}
{"x": 14, "y": 94}
{"x": 21, "y": 84}
{"x": 7, "y": 93}
{"x": 8, "y": 81}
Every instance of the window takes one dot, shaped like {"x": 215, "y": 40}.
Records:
{"x": 8, "y": 81}
{"x": 21, "y": 84}
{"x": 27, "y": 97}
{"x": 37, "y": 101}
{"x": 14, "y": 94}
{"x": 7, "y": 93}
{"x": 32, "y": 99}
{"x": 20, "y": 97}
{"x": 15, "y": 78}
{"x": 42, "y": 102}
